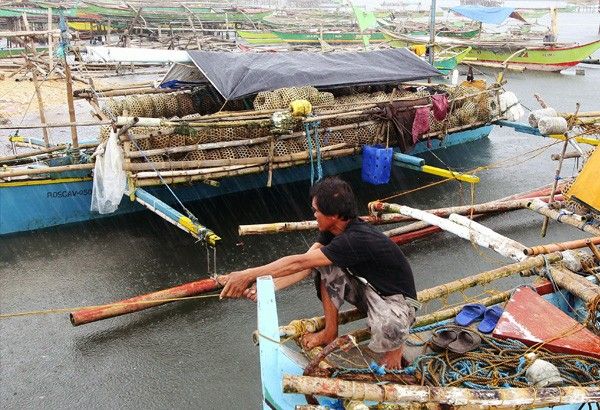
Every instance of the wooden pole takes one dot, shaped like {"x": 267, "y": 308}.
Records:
{"x": 50, "y": 41}
{"x": 557, "y": 174}
{"x": 446, "y": 396}
{"x": 542, "y": 208}
{"x": 40, "y": 171}
{"x": 576, "y": 284}
{"x": 135, "y": 304}
{"x": 40, "y": 102}
{"x": 71, "y": 105}
{"x": 179, "y": 165}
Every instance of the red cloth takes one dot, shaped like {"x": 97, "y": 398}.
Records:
{"x": 421, "y": 123}
{"x": 440, "y": 106}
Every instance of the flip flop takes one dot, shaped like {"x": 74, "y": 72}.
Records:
{"x": 442, "y": 338}
{"x": 470, "y": 313}
{"x": 490, "y": 319}
{"x": 465, "y": 342}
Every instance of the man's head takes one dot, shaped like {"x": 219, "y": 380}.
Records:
{"x": 333, "y": 197}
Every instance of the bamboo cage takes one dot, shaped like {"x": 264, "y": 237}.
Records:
{"x": 200, "y": 129}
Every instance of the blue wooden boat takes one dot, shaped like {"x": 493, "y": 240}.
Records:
{"x": 41, "y": 203}
{"x": 29, "y": 203}
{"x": 282, "y": 369}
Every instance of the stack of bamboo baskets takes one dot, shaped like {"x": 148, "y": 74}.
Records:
{"x": 228, "y": 143}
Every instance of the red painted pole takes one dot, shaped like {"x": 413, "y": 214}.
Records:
{"x": 135, "y": 304}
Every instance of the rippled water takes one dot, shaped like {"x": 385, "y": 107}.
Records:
{"x": 199, "y": 353}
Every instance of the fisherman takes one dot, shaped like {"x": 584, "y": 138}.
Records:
{"x": 351, "y": 261}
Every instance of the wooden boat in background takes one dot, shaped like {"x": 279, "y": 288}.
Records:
{"x": 530, "y": 56}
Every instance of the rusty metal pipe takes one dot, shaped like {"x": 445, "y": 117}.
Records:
{"x": 561, "y": 246}
{"x": 135, "y": 304}
{"x": 592, "y": 245}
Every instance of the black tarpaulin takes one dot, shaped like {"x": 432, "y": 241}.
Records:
{"x": 236, "y": 75}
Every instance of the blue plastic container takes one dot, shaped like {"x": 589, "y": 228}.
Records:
{"x": 376, "y": 164}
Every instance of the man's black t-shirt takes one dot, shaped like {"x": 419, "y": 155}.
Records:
{"x": 368, "y": 253}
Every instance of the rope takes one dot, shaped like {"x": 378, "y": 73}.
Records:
{"x": 308, "y": 127}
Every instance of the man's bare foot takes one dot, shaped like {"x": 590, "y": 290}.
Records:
{"x": 392, "y": 360}
{"x": 320, "y": 338}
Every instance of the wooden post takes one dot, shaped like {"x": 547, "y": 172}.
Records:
{"x": 40, "y": 102}
{"x": 50, "y": 41}
{"x": 557, "y": 173}
{"x": 71, "y": 105}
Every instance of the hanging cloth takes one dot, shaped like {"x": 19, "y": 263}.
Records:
{"x": 420, "y": 124}
{"x": 402, "y": 115}
{"x": 439, "y": 104}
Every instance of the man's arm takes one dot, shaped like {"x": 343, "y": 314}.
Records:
{"x": 237, "y": 282}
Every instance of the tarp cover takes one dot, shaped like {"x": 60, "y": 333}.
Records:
{"x": 491, "y": 15}
{"x": 236, "y": 75}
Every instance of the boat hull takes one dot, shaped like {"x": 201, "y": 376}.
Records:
{"x": 31, "y": 205}
{"x": 328, "y": 37}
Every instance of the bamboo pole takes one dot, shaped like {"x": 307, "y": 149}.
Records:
{"x": 29, "y": 33}
{"x": 446, "y": 396}
{"x": 40, "y": 152}
{"x": 50, "y": 41}
{"x": 391, "y": 215}
{"x": 117, "y": 93}
{"x": 487, "y": 277}
{"x": 244, "y": 171}
{"x": 196, "y": 147}
{"x": 71, "y": 105}
{"x": 561, "y": 246}
{"x": 497, "y": 242}
{"x": 179, "y": 165}
{"x": 135, "y": 304}
{"x": 557, "y": 175}
{"x": 542, "y": 208}
{"x": 576, "y": 284}
{"x": 40, "y": 102}
{"x": 55, "y": 125}
{"x": 40, "y": 171}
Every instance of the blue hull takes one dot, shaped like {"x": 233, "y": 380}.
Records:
{"x": 26, "y": 206}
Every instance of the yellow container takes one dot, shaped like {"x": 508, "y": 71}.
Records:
{"x": 300, "y": 108}
{"x": 419, "y": 49}
{"x": 586, "y": 188}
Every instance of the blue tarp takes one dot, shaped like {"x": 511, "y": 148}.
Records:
{"x": 491, "y": 15}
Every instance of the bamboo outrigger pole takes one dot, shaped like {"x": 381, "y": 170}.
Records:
{"x": 449, "y": 396}
{"x": 135, "y": 304}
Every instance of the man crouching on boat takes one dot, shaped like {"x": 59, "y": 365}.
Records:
{"x": 351, "y": 261}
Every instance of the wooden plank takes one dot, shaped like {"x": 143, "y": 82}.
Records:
{"x": 525, "y": 318}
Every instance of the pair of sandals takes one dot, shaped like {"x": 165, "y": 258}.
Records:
{"x": 474, "y": 312}
{"x": 455, "y": 340}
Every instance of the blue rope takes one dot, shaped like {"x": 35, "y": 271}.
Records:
{"x": 308, "y": 127}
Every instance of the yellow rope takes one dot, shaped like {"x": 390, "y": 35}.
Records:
{"x": 68, "y": 310}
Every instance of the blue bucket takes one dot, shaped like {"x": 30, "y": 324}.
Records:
{"x": 376, "y": 164}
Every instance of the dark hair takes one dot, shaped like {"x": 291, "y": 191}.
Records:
{"x": 335, "y": 197}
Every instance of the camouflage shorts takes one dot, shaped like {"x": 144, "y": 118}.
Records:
{"x": 389, "y": 317}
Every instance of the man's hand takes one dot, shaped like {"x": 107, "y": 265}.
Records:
{"x": 250, "y": 293}
{"x": 237, "y": 283}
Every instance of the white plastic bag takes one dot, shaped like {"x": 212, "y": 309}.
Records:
{"x": 110, "y": 180}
